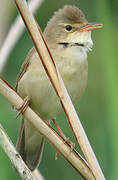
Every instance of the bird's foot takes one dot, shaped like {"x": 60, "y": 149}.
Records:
{"x": 23, "y": 106}
{"x": 70, "y": 143}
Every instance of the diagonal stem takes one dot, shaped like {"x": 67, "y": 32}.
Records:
{"x": 56, "y": 80}
{"x": 54, "y": 138}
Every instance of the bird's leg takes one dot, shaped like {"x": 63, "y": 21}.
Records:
{"x": 59, "y": 129}
{"x": 23, "y": 106}
{"x": 70, "y": 143}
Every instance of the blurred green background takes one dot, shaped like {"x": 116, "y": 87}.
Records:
{"x": 98, "y": 108}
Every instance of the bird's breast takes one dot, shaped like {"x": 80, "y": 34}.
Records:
{"x": 74, "y": 71}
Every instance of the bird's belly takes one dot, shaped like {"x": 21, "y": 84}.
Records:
{"x": 43, "y": 98}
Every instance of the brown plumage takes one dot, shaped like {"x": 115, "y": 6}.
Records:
{"x": 69, "y": 14}
{"x": 69, "y": 50}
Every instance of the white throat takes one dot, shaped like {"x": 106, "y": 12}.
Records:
{"x": 81, "y": 38}
{"x": 77, "y": 45}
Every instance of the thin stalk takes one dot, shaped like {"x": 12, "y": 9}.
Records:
{"x": 56, "y": 80}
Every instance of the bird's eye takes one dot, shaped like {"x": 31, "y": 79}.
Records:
{"x": 68, "y": 27}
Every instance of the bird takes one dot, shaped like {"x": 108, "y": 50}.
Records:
{"x": 68, "y": 36}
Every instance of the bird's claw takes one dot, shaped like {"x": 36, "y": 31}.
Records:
{"x": 70, "y": 143}
{"x": 23, "y": 106}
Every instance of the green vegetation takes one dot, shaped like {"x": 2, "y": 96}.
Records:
{"x": 98, "y": 108}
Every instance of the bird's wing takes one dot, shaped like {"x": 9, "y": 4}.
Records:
{"x": 32, "y": 157}
{"x": 24, "y": 67}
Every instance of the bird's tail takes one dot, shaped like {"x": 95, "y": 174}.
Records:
{"x": 30, "y": 144}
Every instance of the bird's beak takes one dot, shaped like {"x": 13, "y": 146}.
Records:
{"x": 90, "y": 27}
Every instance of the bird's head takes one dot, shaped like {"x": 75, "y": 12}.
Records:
{"x": 69, "y": 27}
